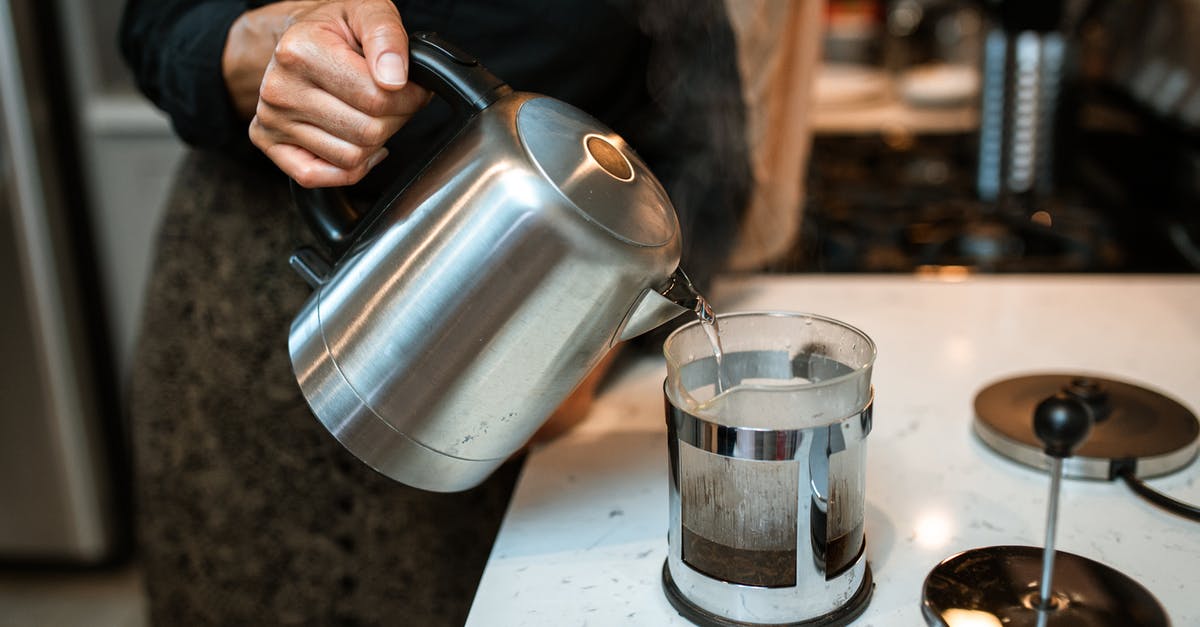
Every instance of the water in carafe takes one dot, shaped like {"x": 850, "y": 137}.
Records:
{"x": 809, "y": 365}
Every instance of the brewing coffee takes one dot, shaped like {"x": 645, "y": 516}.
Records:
{"x": 767, "y": 455}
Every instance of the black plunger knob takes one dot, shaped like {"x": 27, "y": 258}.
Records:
{"x": 1062, "y": 423}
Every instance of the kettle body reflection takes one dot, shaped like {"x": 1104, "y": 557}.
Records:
{"x": 462, "y": 312}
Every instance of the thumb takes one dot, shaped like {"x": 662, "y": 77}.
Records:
{"x": 377, "y": 25}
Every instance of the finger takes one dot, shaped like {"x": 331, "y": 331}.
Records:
{"x": 316, "y": 53}
{"x": 270, "y": 127}
{"x": 279, "y": 108}
{"x": 335, "y": 150}
{"x": 311, "y": 171}
{"x": 377, "y": 25}
{"x": 324, "y": 60}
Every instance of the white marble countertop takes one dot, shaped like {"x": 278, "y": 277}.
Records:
{"x": 585, "y": 536}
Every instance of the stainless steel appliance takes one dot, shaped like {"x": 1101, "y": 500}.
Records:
{"x": 1023, "y": 59}
{"x": 768, "y": 475}
{"x": 469, "y": 306}
{"x": 57, "y": 422}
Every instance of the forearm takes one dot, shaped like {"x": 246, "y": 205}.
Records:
{"x": 174, "y": 49}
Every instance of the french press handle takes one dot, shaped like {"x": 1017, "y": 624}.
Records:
{"x": 437, "y": 65}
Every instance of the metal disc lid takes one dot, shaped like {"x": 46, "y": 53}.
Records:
{"x": 998, "y": 585}
{"x": 597, "y": 171}
{"x": 1134, "y": 426}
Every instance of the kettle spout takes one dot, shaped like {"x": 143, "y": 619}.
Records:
{"x": 656, "y": 307}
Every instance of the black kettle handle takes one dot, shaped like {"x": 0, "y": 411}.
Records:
{"x": 437, "y": 65}
{"x": 457, "y": 77}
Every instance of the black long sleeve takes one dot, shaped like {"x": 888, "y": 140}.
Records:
{"x": 174, "y": 48}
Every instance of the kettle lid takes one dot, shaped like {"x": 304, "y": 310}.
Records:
{"x": 597, "y": 171}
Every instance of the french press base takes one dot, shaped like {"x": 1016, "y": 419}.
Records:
{"x": 1136, "y": 429}
{"x": 844, "y": 615}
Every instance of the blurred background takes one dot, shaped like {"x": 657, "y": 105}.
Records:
{"x": 84, "y": 167}
{"x": 1006, "y": 137}
{"x": 950, "y": 137}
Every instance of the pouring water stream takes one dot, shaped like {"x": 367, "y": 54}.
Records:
{"x": 683, "y": 292}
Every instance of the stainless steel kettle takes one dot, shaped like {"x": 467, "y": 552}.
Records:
{"x": 463, "y": 311}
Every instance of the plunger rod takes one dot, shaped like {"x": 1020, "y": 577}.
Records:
{"x": 1062, "y": 423}
{"x": 1047, "y": 580}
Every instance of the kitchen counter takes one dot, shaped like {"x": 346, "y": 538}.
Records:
{"x": 584, "y": 539}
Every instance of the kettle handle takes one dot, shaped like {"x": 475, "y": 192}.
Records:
{"x": 437, "y": 65}
{"x": 457, "y": 77}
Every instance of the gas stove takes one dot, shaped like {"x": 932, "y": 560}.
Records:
{"x": 896, "y": 201}
{"x": 884, "y": 203}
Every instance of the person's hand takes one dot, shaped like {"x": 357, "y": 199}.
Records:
{"x": 333, "y": 90}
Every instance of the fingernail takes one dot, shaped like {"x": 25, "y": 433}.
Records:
{"x": 391, "y": 69}
{"x": 376, "y": 158}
